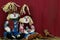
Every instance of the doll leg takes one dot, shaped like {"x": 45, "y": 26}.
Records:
{"x": 31, "y": 32}
{"x": 5, "y": 35}
{"x": 26, "y": 35}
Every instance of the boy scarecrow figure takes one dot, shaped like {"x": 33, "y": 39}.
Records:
{"x": 11, "y": 25}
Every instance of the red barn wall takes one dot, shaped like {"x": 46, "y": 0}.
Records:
{"x": 45, "y": 14}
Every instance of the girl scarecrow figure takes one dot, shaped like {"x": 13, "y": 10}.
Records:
{"x": 11, "y": 25}
{"x": 26, "y": 22}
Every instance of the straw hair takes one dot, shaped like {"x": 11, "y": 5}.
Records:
{"x": 21, "y": 20}
{"x": 23, "y": 9}
{"x": 8, "y": 6}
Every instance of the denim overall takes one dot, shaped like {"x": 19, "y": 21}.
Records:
{"x": 14, "y": 31}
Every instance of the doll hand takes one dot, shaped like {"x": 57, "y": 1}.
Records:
{"x": 18, "y": 35}
{"x": 13, "y": 36}
{"x": 7, "y": 29}
{"x": 25, "y": 32}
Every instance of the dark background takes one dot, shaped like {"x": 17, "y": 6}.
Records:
{"x": 45, "y": 14}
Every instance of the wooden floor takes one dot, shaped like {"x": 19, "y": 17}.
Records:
{"x": 34, "y": 39}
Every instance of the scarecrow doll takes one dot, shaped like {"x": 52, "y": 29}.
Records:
{"x": 26, "y": 22}
{"x": 11, "y": 24}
